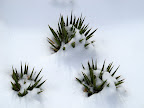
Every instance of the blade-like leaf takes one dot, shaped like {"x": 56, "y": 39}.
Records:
{"x": 50, "y": 40}
{"x": 79, "y": 80}
{"x": 74, "y": 20}
{"x": 21, "y": 71}
{"x": 71, "y": 19}
{"x": 67, "y": 21}
{"x": 87, "y": 32}
{"x": 100, "y": 87}
{"x": 118, "y": 83}
{"x": 83, "y": 67}
{"x": 87, "y": 88}
{"x": 115, "y": 71}
{"x": 101, "y": 73}
{"x": 77, "y": 23}
{"x": 41, "y": 84}
{"x": 109, "y": 67}
{"x": 118, "y": 77}
{"x": 31, "y": 74}
{"x": 14, "y": 76}
{"x": 92, "y": 75}
{"x": 95, "y": 65}
{"x": 25, "y": 69}
{"x": 14, "y": 87}
{"x": 86, "y": 79}
{"x": 38, "y": 75}
{"x": 34, "y": 85}
{"x": 90, "y": 35}
{"x": 55, "y": 36}
{"x": 89, "y": 65}
{"x": 52, "y": 44}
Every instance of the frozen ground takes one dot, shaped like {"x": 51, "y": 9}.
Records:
{"x": 119, "y": 38}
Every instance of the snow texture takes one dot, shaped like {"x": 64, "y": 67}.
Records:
{"x": 119, "y": 38}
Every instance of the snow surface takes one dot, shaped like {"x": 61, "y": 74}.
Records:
{"x": 119, "y": 38}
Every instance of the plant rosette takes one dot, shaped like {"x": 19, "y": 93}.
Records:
{"x": 72, "y": 33}
{"x": 26, "y": 82}
{"x": 94, "y": 80}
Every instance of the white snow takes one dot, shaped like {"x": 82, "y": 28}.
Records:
{"x": 119, "y": 39}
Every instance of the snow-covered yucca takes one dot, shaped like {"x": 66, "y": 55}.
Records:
{"x": 23, "y": 81}
{"x": 70, "y": 32}
{"x": 94, "y": 79}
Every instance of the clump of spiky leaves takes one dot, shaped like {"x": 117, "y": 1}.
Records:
{"x": 24, "y": 77}
{"x": 93, "y": 82}
{"x": 63, "y": 35}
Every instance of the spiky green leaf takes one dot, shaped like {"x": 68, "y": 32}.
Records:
{"x": 115, "y": 71}
{"x": 83, "y": 67}
{"x": 88, "y": 82}
{"x": 40, "y": 84}
{"x": 87, "y": 32}
{"x": 90, "y": 35}
{"x": 79, "y": 80}
{"x": 73, "y": 44}
{"x": 37, "y": 75}
{"x": 21, "y": 71}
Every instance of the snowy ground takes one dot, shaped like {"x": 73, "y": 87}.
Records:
{"x": 119, "y": 38}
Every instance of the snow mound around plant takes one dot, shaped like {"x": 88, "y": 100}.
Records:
{"x": 110, "y": 96}
{"x": 73, "y": 57}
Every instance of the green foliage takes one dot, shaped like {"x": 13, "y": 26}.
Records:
{"x": 16, "y": 86}
{"x": 81, "y": 40}
{"x": 23, "y": 94}
{"x": 73, "y": 44}
{"x": 86, "y": 44}
{"x": 63, "y": 35}
{"x": 64, "y": 48}
{"x": 89, "y": 81}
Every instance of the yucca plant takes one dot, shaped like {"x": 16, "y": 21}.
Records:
{"x": 93, "y": 82}
{"x": 67, "y": 30}
{"x": 24, "y": 78}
